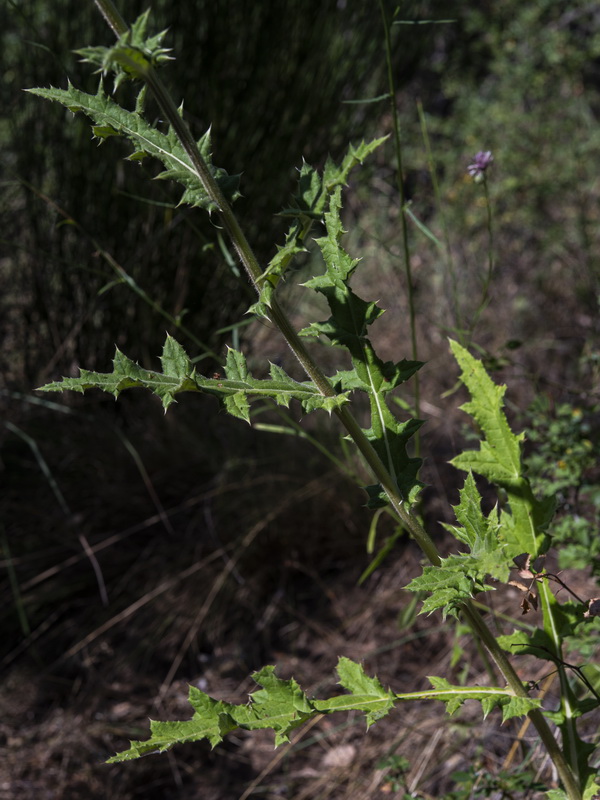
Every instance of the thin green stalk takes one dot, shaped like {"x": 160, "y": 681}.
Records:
{"x": 565, "y": 772}
{"x": 440, "y": 209}
{"x": 14, "y": 584}
{"x": 295, "y": 429}
{"x": 490, "y": 269}
{"x": 568, "y": 728}
{"x": 278, "y": 317}
{"x": 114, "y": 20}
{"x": 490, "y": 228}
{"x": 400, "y": 181}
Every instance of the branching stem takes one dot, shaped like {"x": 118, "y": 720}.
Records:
{"x": 280, "y": 319}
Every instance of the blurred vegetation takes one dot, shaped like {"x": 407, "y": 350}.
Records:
{"x": 271, "y": 82}
{"x": 160, "y": 494}
{"x": 521, "y": 80}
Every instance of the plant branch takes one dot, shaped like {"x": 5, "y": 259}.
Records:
{"x": 276, "y": 313}
{"x": 229, "y": 221}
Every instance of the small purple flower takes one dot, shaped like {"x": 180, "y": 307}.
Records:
{"x": 481, "y": 162}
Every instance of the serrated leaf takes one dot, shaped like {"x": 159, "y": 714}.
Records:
{"x": 519, "y": 707}
{"x": 490, "y": 697}
{"x": 238, "y": 406}
{"x": 235, "y": 391}
{"x": 309, "y": 204}
{"x": 127, "y": 374}
{"x": 282, "y": 706}
{"x": 479, "y": 532}
{"x": 106, "y": 114}
{"x": 462, "y": 575}
{"x": 338, "y": 176}
{"x": 174, "y": 360}
{"x": 211, "y": 721}
{"x": 366, "y": 692}
{"x": 449, "y": 585}
{"x": 498, "y": 459}
{"x": 236, "y": 367}
{"x": 347, "y": 327}
{"x": 132, "y": 54}
{"x": 279, "y": 705}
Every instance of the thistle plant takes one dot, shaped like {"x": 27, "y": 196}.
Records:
{"x": 515, "y": 534}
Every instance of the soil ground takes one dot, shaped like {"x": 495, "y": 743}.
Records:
{"x": 134, "y": 572}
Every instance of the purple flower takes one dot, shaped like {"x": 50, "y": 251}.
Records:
{"x": 481, "y": 162}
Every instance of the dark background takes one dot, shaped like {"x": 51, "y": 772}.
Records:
{"x": 142, "y": 552}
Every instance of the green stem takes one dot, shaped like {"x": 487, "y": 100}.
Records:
{"x": 276, "y": 313}
{"x": 490, "y": 269}
{"x": 566, "y": 775}
{"x": 404, "y": 223}
{"x": 114, "y": 20}
{"x": 568, "y": 727}
{"x": 279, "y": 318}
{"x": 490, "y": 228}
{"x": 451, "y": 271}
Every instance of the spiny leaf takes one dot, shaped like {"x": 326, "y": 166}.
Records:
{"x": 211, "y": 721}
{"x": 179, "y": 375}
{"x": 309, "y": 204}
{"x": 334, "y": 176}
{"x": 479, "y": 532}
{"x": 378, "y": 701}
{"x": 132, "y": 54}
{"x": 462, "y": 575}
{"x": 498, "y": 459}
{"x": 279, "y": 705}
{"x": 282, "y": 706}
{"x": 127, "y": 374}
{"x": 348, "y": 327}
{"x": 457, "y": 579}
{"x": 110, "y": 119}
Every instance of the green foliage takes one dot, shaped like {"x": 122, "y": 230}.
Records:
{"x": 516, "y": 530}
{"x": 461, "y": 576}
{"x": 111, "y": 120}
{"x": 282, "y": 706}
{"x": 309, "y": 203}
{"x": 524, "y": 523}
{"x": 348, "y": 327}
{"x": 235, "y": 390}
{"x": 478, "y": 783}
{"x": 563, "y": 459}
{"x": 132, "y": 54}
{"x": 279, "y": 705}
{"x": 455, "y": 696}
{"x": 296, "y": 68}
